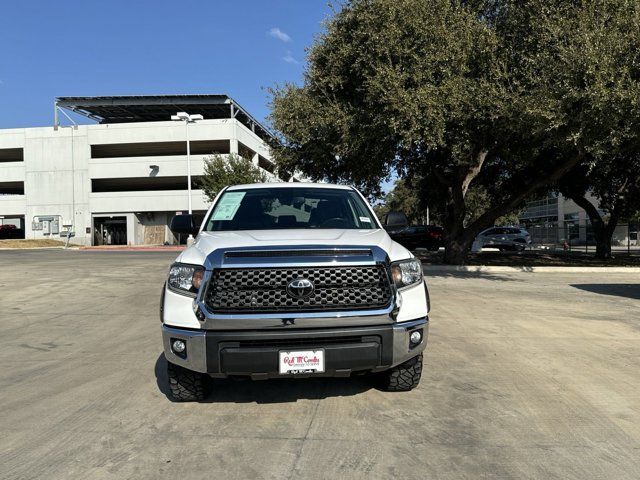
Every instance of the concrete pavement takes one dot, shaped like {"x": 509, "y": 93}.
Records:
{"x": 526, "y": 376}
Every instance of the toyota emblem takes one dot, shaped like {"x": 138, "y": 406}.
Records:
{"x": 300, "y": 287}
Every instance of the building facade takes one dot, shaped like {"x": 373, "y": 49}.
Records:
{"x": 120, "y": 181}
{"x": 556, "y": 219}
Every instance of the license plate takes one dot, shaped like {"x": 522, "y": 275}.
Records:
{"x": 302, "y": 361}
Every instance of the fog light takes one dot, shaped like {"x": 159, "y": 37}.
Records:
{"x": 178, "y": 346}
{"x": 415, "y": 338}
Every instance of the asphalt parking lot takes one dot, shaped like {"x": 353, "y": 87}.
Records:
{"x": 527, "y": 376}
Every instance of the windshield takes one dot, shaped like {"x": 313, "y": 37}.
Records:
{"x": 295, "y": 207}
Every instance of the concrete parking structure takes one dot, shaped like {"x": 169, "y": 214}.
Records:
{"x": 119, "y": 182}
{"x": 527, "y": 375}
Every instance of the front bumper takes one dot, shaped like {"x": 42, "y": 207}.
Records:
{"x": 255, "y": 352}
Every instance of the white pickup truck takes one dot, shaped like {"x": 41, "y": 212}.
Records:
{"x": 292, "y": 280}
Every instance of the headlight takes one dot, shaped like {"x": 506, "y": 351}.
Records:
{"x": 185, "y": 279}
{"x": 406, "y": 272}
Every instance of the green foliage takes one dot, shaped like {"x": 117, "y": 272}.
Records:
{"x": 383, "y": 83}
{"x": 404, "y": 198}
{"x": 407, "y": 196}
{"x": 220, "y": 172}
{"x": 493, "y": 98}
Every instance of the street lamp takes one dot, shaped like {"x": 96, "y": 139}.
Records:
{"x": 73, "y": 183}
{"x": 187, "y": 119}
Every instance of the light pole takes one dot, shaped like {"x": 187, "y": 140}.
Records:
{"x": 187, "y": 119}
{"x": 73, "y": 185}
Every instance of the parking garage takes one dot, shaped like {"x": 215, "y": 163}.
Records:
{"x": 119, "y": 181}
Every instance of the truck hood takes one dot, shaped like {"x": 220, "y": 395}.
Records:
{"x": 207, "y": 242}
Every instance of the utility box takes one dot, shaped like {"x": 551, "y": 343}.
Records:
{"x": 49, "y": 225}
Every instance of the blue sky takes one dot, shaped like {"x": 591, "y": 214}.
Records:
{"x": 90, "y": 47}
{"x": 137, "y": 47}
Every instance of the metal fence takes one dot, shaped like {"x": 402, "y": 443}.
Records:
{"x": 572, "y": 237}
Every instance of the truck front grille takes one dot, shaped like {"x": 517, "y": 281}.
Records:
{"x": 260, "y": 290}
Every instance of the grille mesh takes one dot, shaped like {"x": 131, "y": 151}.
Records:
{"x": 295, "y": 253}
{"x": 259, "y": 290}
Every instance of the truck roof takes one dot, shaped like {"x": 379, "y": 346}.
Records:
{"x": 290, "y": 185}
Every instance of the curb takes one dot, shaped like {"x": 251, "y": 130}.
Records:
{"x": 35, "y": 248}
{"x": 132, "y": 249}
{"x": 524, "y": 269}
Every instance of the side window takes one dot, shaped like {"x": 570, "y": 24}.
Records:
{"x": 492, "y": 231}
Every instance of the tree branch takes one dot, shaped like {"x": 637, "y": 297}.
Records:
{"x": 488, "y": 217}
{"x": 473, "y": 171}
{"x": 613, "y": 221}
{"x": 588, "y": 207}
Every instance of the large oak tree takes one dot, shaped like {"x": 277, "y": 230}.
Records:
{"x": 504, "y": 96}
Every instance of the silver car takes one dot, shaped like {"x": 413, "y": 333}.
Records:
{"x": 504, "y": 238}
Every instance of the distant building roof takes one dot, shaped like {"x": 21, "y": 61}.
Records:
{"x": 158, "y": 108}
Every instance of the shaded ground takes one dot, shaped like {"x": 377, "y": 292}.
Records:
{"x": 624, "y": 290}
{"x": 526, "y": 376}
{"x": 535, "y": 259}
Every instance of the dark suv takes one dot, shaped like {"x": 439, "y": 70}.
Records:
{"x": 418, "y": 236}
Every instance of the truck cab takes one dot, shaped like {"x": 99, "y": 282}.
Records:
{"x": 292, "y": 280}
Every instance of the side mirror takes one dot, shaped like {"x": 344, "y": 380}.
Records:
{"x": 184, "y": 224}
{"x": 395, "y": 219}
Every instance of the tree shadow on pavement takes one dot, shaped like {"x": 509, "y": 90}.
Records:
{"x": 274, "y": 390}
{"x": 627, "y": 290}
{"x": 478, "y": 275}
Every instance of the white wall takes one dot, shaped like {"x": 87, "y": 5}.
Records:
{"x": 168, "y": 200}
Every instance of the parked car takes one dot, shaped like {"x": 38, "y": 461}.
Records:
{"x": 292, "y": 280}
{"x": 394, "y": 222}
{"x": 10, "y": 231}
{"x": 504, "y": 238}
{"x": 419, "y": 236}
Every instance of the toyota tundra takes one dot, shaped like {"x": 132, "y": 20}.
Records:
{"x": 292, "y": 280}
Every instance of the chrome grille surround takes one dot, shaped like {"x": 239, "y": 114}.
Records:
{"x": 258, "y": 290}
{"x": 360, "y": 255}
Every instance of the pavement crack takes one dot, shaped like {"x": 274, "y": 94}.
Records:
{"x": 298, "y": 455}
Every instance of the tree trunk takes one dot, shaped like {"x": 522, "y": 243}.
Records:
{"x": 458, "y": 238}
{"x": 603, "y": 246}
{"x": 456, "y": 242}
{"x": 601, "y": 231}
{"x": 456, "y": 249}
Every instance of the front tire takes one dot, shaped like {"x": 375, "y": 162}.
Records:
{"x": 404, "y": 377}
{"x": 186, "y": 385}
